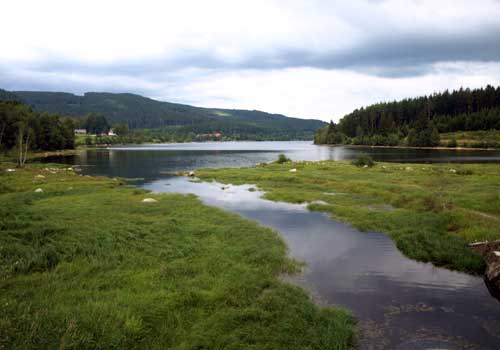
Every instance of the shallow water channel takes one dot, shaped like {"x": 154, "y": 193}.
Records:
{"x": 400, "y": 303}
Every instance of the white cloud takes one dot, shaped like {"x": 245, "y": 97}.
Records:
{"x": 301, "y": 58}
{"x": 327, "y": 94}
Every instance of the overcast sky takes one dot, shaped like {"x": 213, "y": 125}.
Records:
{"x": 308, "y": 59}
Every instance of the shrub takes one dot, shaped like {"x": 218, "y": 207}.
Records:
{"x": 362, "y": 160}
{"x": 452, "y": 143}
{"x": 282, "y": 159}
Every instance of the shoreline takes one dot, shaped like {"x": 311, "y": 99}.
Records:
{"x": 415, "y": 147}
{"x": 406, "y": 201}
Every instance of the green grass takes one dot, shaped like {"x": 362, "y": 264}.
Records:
{"x": 87, "y": 265}
{"x": 222, "y": 113}
{"x": 432, "y": 212}
{"x": 81, "y": 139}
{"x": 481, "y": 138}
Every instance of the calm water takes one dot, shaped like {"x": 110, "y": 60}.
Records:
{"x": 401, "y": 304}
{"x": 150, "y": 161}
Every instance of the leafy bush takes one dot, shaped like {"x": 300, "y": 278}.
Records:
{"x": 362, "y": 160}
{"x": 283, "y": 159}
{"x": 452, "y": 143}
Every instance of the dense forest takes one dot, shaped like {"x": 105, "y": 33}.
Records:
{"x": 417, "y": 121}
{"x": 170, "y": 119}
{"x": 22, "y": 130}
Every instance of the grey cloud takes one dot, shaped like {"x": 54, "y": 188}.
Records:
{"x": 394, "y": 55}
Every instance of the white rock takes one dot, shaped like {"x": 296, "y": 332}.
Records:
{"x": 10, "y": 170}
{"x": 40, "y": 177}
{"x": 453, "y": 171}
{"x": 149, "y": 200}
{"x": 293, "y": 170}
{"x": 477, "y": 243}
{"x": 365, "y": 166}
{"x": 496, "y": 253}
{"x": 320, "y": 202}
{"x": 38, "y": 190}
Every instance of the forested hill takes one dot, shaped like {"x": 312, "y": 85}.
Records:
{"x": 417, "y": 121}
{"x": 144, "y": 113}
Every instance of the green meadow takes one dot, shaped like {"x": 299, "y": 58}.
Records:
{"x": 431, "y": 212}
{"x": 86, "y": 264}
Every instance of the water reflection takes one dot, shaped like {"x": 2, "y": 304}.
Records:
{"x": 150, "y": 162}
{"x": 400, "y": 302}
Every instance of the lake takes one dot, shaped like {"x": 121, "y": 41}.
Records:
{"x": 148, "y": 162}
{"x": 400, "y": 303}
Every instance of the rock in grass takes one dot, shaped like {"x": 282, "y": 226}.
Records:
{"x": 38, "y": 190}
{"x": 293, "y": 170}
{"x": 149, "y": 200}
{"x": 10, "y": 170}
{"x": 40, "y": 177}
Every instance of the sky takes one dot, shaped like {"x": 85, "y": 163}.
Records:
{"x": 302, "y": 58}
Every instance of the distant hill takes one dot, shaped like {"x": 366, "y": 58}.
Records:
{"x": 144, "y": 113}
{"x": 8, "y": 96}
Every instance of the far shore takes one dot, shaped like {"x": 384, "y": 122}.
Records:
{"x": 414, "y": 147}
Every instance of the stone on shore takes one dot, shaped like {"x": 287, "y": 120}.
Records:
{"x": 149, "y": 200}
{"x": 491, "y": 255}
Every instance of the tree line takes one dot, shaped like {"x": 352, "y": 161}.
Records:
{"x": 23, "y": 130}
{"x": 417, "y": 121}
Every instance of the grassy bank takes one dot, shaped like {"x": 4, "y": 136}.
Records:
{"x": 430, "y": 211}
{"x": 472, "y": 139}
{"x": 85, "y": 264}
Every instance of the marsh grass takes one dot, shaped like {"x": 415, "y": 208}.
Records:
{"x": 86, "y": 265}
{"x": 436, "y": 210}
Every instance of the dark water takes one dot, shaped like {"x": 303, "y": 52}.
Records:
{"x": 400, "y": 303}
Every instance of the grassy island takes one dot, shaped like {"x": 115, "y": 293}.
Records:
{"x": 431, "y": 212}
{"x": 86, "y": 264}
